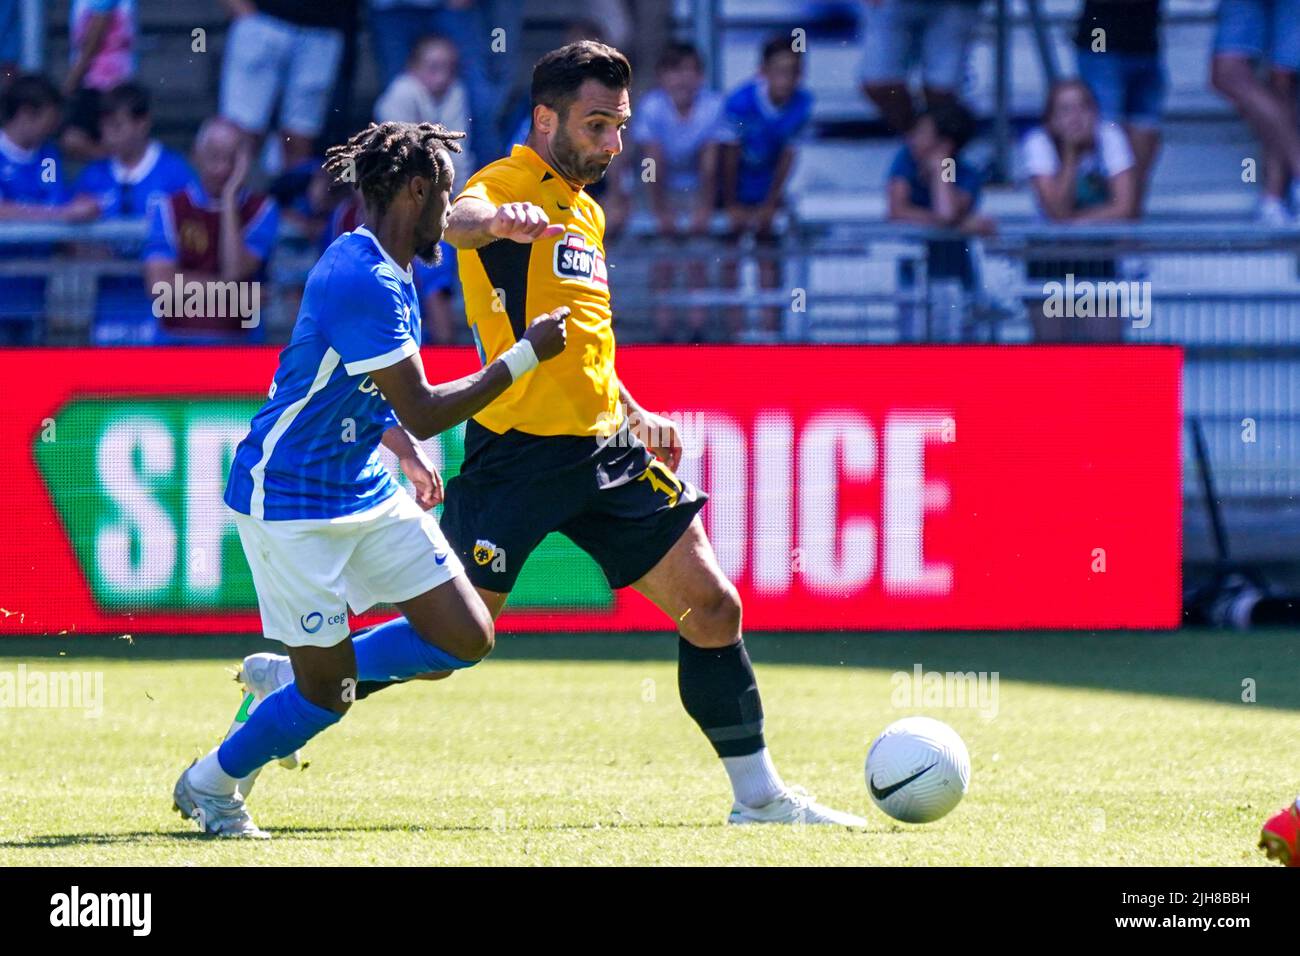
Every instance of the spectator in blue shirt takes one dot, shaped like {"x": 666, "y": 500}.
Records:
{"x": 139, "y": 170}
{"x": 929, "y": 184}
{"x": 31, "y": 190}
{"x": 763, "y": 120}
{"x": 138, "y": 174}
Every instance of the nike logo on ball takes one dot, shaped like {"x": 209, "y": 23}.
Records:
{"x": 881, "y": 794}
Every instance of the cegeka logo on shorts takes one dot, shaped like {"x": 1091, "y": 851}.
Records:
{"x": 311, "y": 623}
{"x": 577, "y": 257}
{"x": 74, "y": 908}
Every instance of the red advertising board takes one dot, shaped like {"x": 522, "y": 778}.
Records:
{"x": 850, "y": 487}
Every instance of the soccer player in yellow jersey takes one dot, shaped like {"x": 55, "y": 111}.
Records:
{"x": 568, "y": 448}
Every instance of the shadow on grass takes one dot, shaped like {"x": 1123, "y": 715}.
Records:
{"x": 51, "y": 841}
{"x": 1206, "y": 665}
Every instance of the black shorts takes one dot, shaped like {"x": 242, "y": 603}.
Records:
{"x": 611, "y": 498}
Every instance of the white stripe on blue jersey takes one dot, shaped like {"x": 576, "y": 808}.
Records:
{"x": 312, "y": 449}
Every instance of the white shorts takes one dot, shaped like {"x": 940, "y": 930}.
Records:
{"x": 308, "y": 571}
{"x": 266, "y": 58}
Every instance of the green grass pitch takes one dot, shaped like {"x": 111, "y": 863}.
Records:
{"x": 1110, "y": 749}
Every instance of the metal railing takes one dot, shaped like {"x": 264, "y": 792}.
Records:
{"x": 1229, "y": 294}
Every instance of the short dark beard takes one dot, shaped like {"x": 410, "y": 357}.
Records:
{"x": 430, "y": 255}
{"x": 569, "y": 164}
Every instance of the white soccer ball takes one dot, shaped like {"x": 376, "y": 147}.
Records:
{"x": 918, "y": 769}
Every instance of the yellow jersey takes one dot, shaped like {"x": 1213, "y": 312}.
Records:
{"x": 507, "y": 284}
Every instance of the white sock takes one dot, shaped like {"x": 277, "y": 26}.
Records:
{"x": 754, "y": 779}
{"x": 207, "y": 775}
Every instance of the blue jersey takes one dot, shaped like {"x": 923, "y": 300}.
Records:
{"x": 313, "y": 448}
{"x": 132, "y": 193}
{"x": 123, "y": 307}
{"x": 34, "y": 178}
{"x": 966, "y": 178}
{"x": 762, "y": 130}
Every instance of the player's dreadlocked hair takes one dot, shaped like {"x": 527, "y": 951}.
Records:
{"x": 383, "y": 157}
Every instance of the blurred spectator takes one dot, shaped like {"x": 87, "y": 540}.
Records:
{"x": 396, "y": 25}
{"x": 103, "y": 56}
{"x": 763, "y": 119}
{"x": 1082, "y": 171}
{"x": 213, "y": 231}
{"x": 1080, "y": 166}
{"x": 430, "y": 91}
{"x": 1118, "y": 47}
{"x": 302, "y": 194}
{"x": 929, "y": 184}
{"x": 677, "y": 126}
{"x": 902, "y": 34}
{"x": 11, "y": 41}
{"x": 139, "y": 171}
{"x": 435, "y": 284}
{"x": 284, "y": 52}
{"x": 31, "y": 190}
{"x": 1251, "y": 31}
{"x": 138, "y": 174}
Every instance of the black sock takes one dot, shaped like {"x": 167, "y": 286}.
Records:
{"x": 718, "y": 690}
{"x": 367, "y": 687}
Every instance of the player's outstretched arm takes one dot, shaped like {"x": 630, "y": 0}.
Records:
{"x": 427, "y": 410}
{"x": 475, "y": 222}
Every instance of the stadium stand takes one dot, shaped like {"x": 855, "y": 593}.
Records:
{"x": 1225, "y": 288}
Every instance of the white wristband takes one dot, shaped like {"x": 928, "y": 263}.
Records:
{"x": 520, "y": 359}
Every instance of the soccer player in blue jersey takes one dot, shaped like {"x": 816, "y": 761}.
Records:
{"x": 323, "y": 524}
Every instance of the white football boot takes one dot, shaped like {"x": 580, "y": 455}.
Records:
{"x": 260, "y": 675}
{"x": 795, "y": 806}
{"x": 222, "y": 815}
